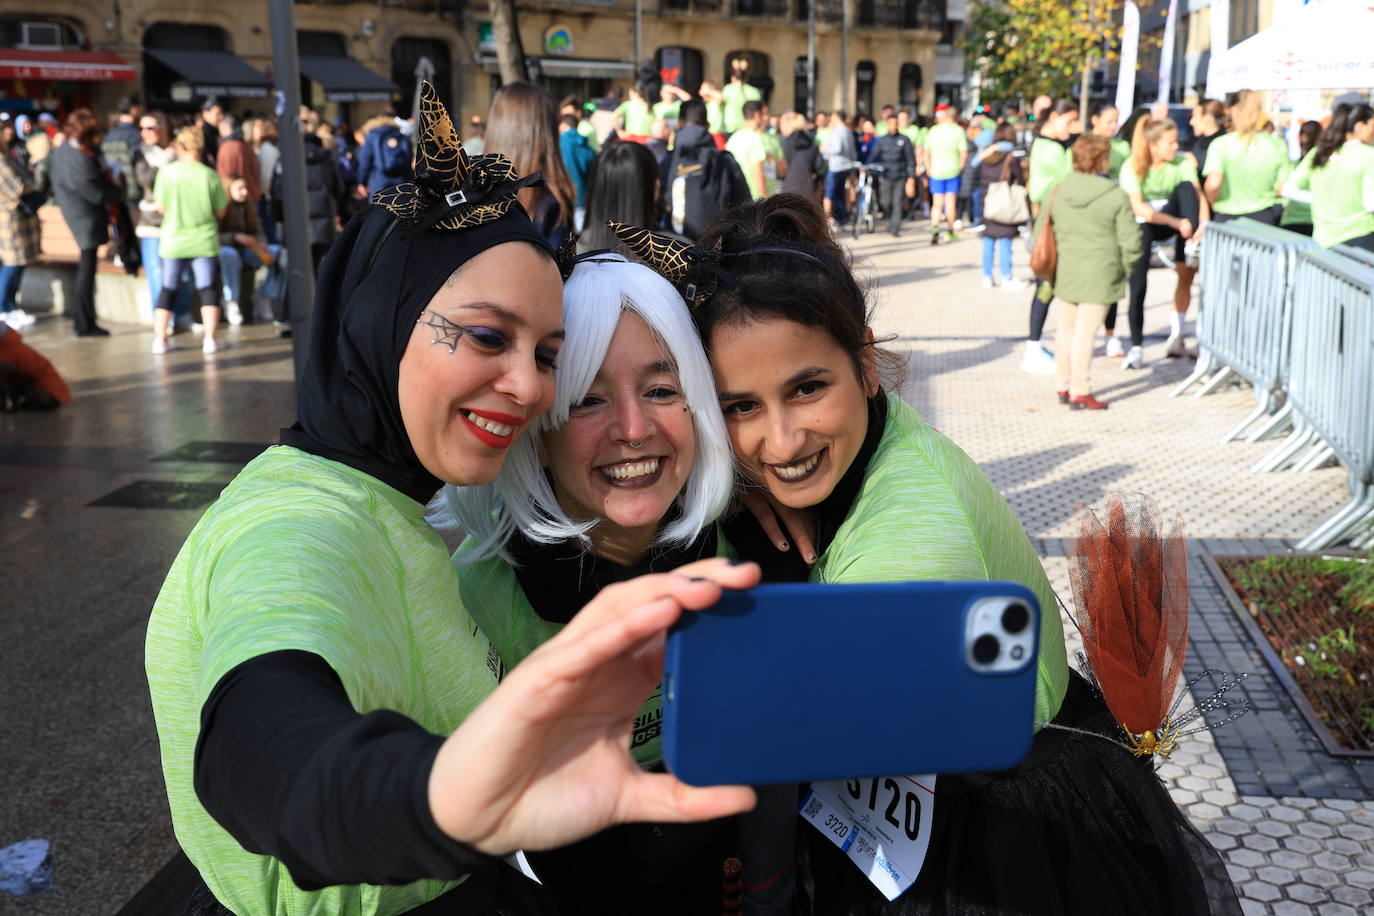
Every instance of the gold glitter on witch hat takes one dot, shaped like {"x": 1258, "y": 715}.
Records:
{"x": 694, "y": 271}
{"x": 451, "y": 190}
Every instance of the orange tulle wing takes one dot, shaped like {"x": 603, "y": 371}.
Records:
{"x": 1130, "y": 585}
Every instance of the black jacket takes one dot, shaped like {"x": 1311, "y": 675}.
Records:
{"x": 895, "y": 154}
{"x": 323, "y": 191}
{"x": 802, "y": 155}
{"x": 82, "y": 191}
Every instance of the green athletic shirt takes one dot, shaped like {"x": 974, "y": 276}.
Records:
{"x": 304, "y": 553}
{"x": 1160, "y": 180}
{"x": 1340, "y": 190}
{"x": 945, "y": 142}
{"x": 1121, "y": 152}
{"x": 514, "y": 629}
{"x": 732, "y": 99}
{"x": 636, "y": 117}
{"x": 1049, "y": 161}
{"x": 668, "y": 111}
{"x": 750, "y": 149}
{"x": 715, "y": 120}
{"x": 588, "y": 130}
{"x": 1251, "y": 171}
{"x": 190, "y": 194}
{"x": 926, "y": 511}
{"x": 912, "y": 133}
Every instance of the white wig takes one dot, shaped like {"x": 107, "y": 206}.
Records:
{"x": 521, "y": 497}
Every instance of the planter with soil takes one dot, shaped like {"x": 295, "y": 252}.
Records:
{"x": 1313, "y": 620}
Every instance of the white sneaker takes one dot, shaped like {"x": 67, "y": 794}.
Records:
{"x": 18, "y": 319}
{"x": 1037, "y": 359}
{"x": 210, "y": 345}
{"x": 1192, "y": 252}
{"x": 232, "y": 313}
{"x": 987, "y": 283}
{"x": 1114, "y": 347}
{"x": 958, "y": 224}
{"x": 1134, "y": 359}
{"x": 163, "y": 344}
{"x": 1014, "y": 284}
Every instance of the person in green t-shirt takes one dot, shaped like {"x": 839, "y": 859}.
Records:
{"x": 333, "y": 736}
{"x": 1245, "y": 168}
{"x": 1339, "y": 174}
{"x": 758, "y": 153}
{"x": 880, "y": 127}
{"x": 907, "y": 129}
{"x": 715, "y": 119}
{"x": 1297, "y": 214}
{"x": 671, "y": 99}
{"x": 946, "y": 147}
{"x": 1163, "y": 188}
{"x": 736, "y": 94}
{"x": 893, "y": 500}
{"x": 572, "y": 105}
{"x": 634, "y": 114}
{"x": 192, "y": 200}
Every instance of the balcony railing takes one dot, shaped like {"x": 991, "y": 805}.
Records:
{"x": 829, "y": 12}
{"x": 900, "y": 14}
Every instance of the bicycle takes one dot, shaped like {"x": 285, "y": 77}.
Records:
{"x": 865, "y": 194}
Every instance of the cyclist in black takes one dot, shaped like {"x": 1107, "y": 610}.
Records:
{"x": 894, "y": 152}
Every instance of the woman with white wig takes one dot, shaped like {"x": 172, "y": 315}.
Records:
{"x": 623, "y": 475}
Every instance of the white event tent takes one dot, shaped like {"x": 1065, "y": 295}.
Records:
{"x": 1326, "y": 44}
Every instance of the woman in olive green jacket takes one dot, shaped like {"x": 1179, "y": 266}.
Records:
{"x": 1099, "y": 244}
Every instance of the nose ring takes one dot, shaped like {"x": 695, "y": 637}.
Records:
{"x": 639, "y": 444}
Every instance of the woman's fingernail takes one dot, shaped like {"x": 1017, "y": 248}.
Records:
{"x": 782, "y": 545}
{"x": 738, "y": 562}
{"x": 810, "y": 558}
{"x": 697, "y": 579}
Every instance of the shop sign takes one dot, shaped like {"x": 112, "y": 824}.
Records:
{"x": 558, "y": 40}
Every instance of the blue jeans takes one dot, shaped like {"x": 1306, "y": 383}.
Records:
{"x": 10, "y": 275}
{"x": 152, "y": 269}
{"x": 269, "y": 226}
{"x": 977, "y": 205}
{"x": 834, "y": 192}
{"x": 1003, "y": 247}
{"x": 231, "y": 262}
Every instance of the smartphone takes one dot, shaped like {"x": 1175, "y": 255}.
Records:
{"x": 799, "y": 682}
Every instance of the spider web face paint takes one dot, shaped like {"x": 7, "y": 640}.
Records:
{"x": 445, "y": 331}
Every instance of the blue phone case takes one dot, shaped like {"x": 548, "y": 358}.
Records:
{"x": 789, "y": 683}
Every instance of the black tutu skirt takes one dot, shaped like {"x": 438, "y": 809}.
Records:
{"x": 1081, "y": 826}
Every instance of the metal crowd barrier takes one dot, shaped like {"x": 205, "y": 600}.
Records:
{"x": 1330, "y": 380}
{"x": 1244, "y": 321}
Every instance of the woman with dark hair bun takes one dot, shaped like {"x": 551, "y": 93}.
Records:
{"x": 1337, "y": 178}
{"x": 1081, "y": 826}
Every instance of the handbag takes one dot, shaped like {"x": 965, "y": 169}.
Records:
{"x": 1044, "y": 258}
{"x": 1006, "y": 201}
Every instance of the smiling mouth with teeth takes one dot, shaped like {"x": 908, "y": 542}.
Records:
{"x": 628, "y": 471}
{"x": 496, "y": 429}
{"x": 799, "y": 471}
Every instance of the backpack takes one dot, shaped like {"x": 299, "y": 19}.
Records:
{"x": 395, "y": 154}
{"x": 700, "y": 190}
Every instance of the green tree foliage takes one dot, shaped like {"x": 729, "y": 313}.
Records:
{"x": 1026, "y": 48}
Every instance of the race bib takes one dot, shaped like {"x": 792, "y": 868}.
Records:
{"x": 883, "y": 824}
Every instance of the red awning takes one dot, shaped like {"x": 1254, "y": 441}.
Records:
{"x": 76, "y": 66}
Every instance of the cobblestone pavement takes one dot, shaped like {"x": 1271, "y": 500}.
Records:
{"x": 1295, "y": 825}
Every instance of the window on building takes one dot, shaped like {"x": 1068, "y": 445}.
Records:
{"x": 827, "y": 11}
{"x": 680, "y": 66}
{"x": 801, "y": 100}
{"x": 760, "y": 70}
{"x": 909, "y": 85}
{"x": 761, "y": 7}
{"x": 406, "y": 54}
{"x": 1244, "y": 20}
{"x": 865, "y": 76}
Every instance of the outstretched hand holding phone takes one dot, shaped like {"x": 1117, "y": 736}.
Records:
{"x": 545, "y": 761}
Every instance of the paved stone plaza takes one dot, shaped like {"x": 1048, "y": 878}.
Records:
{"x": 78, "y": 749}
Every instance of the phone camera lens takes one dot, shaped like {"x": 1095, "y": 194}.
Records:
{"x": 1018, "y": 653}
{"x": 1015, "y": 618}
{"x": 986, "y": 648}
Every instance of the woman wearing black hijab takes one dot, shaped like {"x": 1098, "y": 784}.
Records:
{"x": 309, "y": 650}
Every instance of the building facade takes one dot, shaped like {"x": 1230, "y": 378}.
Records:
{"x": 359, "y": 57}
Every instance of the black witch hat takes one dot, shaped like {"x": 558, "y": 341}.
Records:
{"x": 451, "y": 190}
